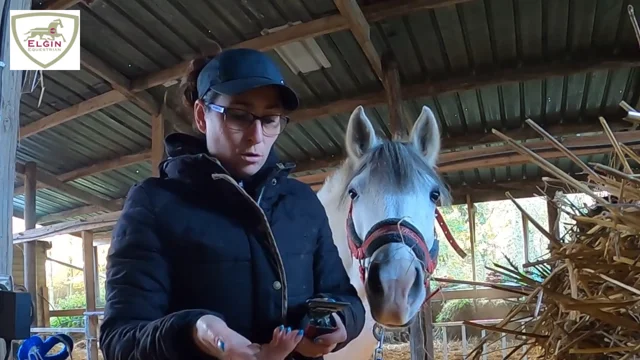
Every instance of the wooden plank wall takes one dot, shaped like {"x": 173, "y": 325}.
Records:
{"x": 41, "y": 274}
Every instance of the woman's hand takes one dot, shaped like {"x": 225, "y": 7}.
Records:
{"x": 322, "y": 345}
{"x": 215, "y": 338}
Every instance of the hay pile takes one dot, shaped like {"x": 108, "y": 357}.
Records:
{"x": 587, "y": 292}
{"x": 454, "y": 350}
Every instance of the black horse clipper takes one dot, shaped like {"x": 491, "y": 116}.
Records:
{"x": 319, "y": 316}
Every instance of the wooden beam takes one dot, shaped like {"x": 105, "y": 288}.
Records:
{"x": 391, "y": 79}
{"x": 90, "y": 294}
{"x": 157, "y": 142}
{"x": 10, "y": 92}
{"x": 103, "y": 166}
{"x": 496, "y": 156}
{"x": 525, "y": 237}
{"x": 451, "y": 83}
{"x": 477, "y": 139}
{"x": 361, "y": 31}
{"x": 60, "y": 4}
{"x": 74, "y": 111}
{"x": 313, "y": 28}
{"x": 29, "y": 250}
{"x": 79, "y": 211}
{"x": 447, "y": 144}
{"x": 471, "y": 211}
{"x": 122, "y": 84}
{"x": 92, "y": 223}
{"x": 51, "y": 181}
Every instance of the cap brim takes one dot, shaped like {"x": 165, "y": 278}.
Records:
{"x": 234, "y": 87}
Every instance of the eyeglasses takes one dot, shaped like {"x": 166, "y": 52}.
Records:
{"x": 238, "y": 119}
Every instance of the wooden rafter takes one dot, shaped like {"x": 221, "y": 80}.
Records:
{"x": 60, "y": 4}
{"x": 478, "y": 192}
{"x": 391, "y": 80}
{"x": 447, "y": 144}
{"x": 122, "y": 84}
{"x": 53, "y": 182}
{"x": 107, "y": 165}
{"x": 468, "y": 140}
{"x": 310, "y": 29}
{"x": 454, "y": 84}
{"x": 496, "y": 156}
{"x": 493, "y": 156}
{"x": 93, "y": 223}
{"x": 465, "y": 82}
{"x": 360, "y": 29}
{"x": 79, "y": 211}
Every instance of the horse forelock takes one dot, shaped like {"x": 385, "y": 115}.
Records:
{"x": 396, "y": 167}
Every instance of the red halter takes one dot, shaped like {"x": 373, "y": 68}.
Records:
{"x": 360, "y": 249}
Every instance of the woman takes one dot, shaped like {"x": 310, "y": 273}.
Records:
{"x": 223, "y": 248}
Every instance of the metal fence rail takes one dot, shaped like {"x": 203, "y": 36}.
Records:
{"x": 504, "y": 348}
{"x": 442, "y": 326}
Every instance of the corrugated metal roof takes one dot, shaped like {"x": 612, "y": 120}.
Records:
{"x": 141, "y": 37}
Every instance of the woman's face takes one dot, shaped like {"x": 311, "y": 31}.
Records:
{"x": 242, "y": 152}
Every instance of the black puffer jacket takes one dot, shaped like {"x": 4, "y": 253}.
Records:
{"x": 187, "y": 245}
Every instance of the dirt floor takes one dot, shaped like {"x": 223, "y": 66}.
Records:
{"x": 391, "y": 352}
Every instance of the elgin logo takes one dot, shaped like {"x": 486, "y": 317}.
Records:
{"x": 45, "y": 40}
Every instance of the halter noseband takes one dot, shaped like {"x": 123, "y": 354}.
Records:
{"x": 390, "y": 231}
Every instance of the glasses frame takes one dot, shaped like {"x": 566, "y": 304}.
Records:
{"x": 223, "y": 110}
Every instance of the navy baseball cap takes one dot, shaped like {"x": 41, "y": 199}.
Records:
{"x": 235, "y": 71}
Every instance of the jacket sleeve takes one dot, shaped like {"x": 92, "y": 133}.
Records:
{"x": 136, "y": 323}
{"x": 331, "y": 279}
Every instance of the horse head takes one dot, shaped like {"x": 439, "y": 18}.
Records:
{"x": 391, "y": 190}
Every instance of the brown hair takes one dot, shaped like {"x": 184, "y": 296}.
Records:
{"x": 188, "y": 87}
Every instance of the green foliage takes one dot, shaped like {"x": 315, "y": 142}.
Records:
{"x": 499, "y": 235}
{"x": 76, "y": 300}
{"x": 451, "y": 308}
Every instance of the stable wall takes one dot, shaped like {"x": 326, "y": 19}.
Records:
{"x": 41, "y": 272}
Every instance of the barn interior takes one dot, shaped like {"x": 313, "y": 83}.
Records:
{"x": 80, "y": 139}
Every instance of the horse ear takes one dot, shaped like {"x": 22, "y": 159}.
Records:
{"x": 425, "y": 135}
{"x": 360, "y": 134}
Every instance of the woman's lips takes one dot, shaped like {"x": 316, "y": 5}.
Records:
{"x": 251, "y": 157}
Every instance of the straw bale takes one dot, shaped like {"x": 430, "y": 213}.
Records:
{"x": 586, "y": 292}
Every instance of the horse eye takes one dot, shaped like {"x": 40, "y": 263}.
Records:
{"x": 435, "y": 195}
{"x": 353, "y": 194}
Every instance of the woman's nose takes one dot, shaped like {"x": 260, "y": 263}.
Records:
{"x": 255, "y": 132}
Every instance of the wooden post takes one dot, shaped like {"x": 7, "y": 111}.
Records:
{"x": 96, "y": 265}
{"x": 552, "y": 213}
{"x": 157, "y": 138}
{"x": 421, "y": 333}
{"x": 30, "y": 261}
{"x": 391, "y": 80}
{"x": 10, "y": 92}
{"x": 157, "y": 144}
{"x": 90, "y": 293}
{"x": 525, "y": 237}
{"x": 471, "y": 211}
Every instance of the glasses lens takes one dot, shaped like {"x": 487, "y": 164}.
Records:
{"x": 273, "y": 125}
{"x": 237, "y": 119}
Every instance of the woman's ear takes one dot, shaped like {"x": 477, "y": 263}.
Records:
{"x": 361, "y": 136}
{"x": 199, "y": 116}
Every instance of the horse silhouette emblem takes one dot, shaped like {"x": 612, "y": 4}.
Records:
{"x": 51, "y": 31}
{"x": 45, "y": 38}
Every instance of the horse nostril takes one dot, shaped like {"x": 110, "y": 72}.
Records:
{"x": 373, "y": 278}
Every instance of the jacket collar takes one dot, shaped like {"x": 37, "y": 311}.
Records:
{"x": 189, "y": 160}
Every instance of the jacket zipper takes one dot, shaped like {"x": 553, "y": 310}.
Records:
{"x": 271, "y": 238}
